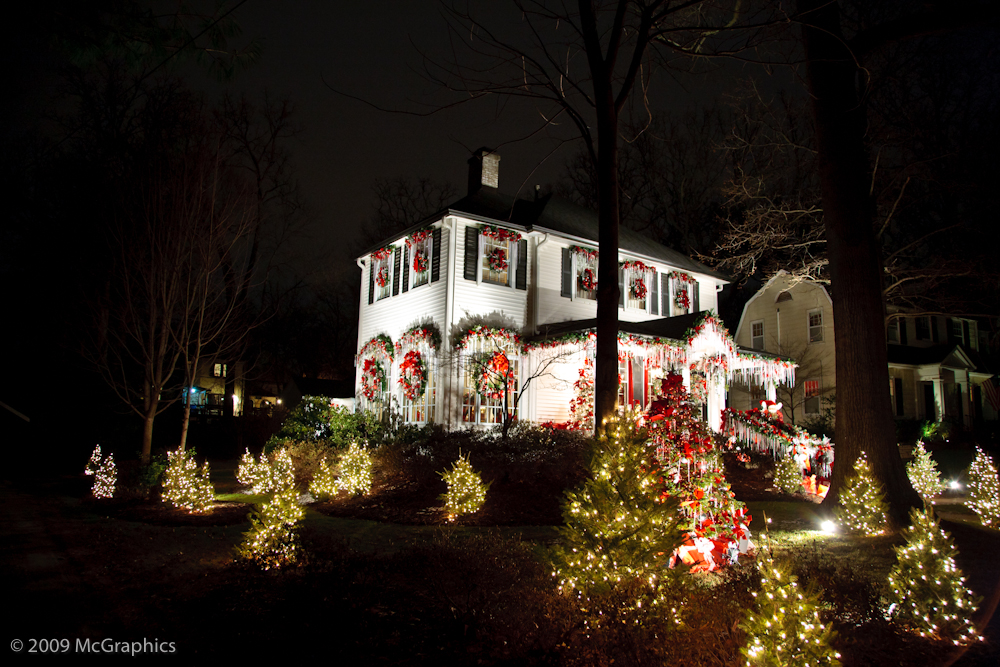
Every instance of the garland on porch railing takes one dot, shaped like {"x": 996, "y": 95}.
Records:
{"x": 763, "y": 433}
{"x": 413, "y": 375}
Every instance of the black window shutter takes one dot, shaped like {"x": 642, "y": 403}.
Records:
{"x": 371, "y": 280}
{"x": 695, "y": 297}
{"x": 934, "y": 330}
{"x": 396, "y": 256}
{"x": 898, "y": 386}
{"x": 654, "y": 297}
{"x": 471, "y": 252}
{"x": 902, "y": 331}
{"x": 567, "y": 273}
{"x": 665, "y": 294}
{"x": 521, "y": 279}
{"x": 436, "y": 256}
{"x": 621, "y": 287}
{"x": 406, "y": 267}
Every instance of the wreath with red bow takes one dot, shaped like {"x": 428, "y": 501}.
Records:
{"x": 498, "y": 259}
{"x": 382, "y": 277}
{"x": 413, "y": 375}
{"x": 681, "y": 298}
{"x": 495, "y": 376}
{"x": 420, "y": 262}
{"x": 637, "y": 290}
{"x": 588, "y": 280}
{"x": 372, "y": 379}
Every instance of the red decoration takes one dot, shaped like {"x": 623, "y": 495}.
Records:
{"x": 420, "y": 261}
{"x": 382, "y": 277}
{"x": 413, "y": 375}
{"x": 681, "y": 298}
{"x": 638, "y": 288}
{"x": 372, "y": 379}
{"x": 498, "y": 259}
{"x": 499, "y": 233}
{"x": 588, "y": 280}
{"x": 496, "y": 376}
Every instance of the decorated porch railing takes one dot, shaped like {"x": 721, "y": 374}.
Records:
{"x": 762, "y": 433}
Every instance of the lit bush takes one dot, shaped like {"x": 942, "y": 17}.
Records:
{"x": 927, "y": 591}
{"x": 105, "y": 478}
{"x": 466, "y": 491}
{"x": 272, "y": 540}
{"x": 184, "y": 485}
{"x": 249, "y": 471}
{"x": 923, "y": 473}
{"x": 95, "y": 462}
{"x": 862, "y": 506}
{"x": 984, "y": 489}
{"x": 324, "y": 484}
{"x": 269, "y": 474}
{"x": 356, "y": 471}
{"x": 788, "y": 475}
{"x": 783, "y": 627}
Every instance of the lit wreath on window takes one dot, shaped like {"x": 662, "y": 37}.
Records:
{"x": 382, "y": 277}
{"x": 681, "y": 297}
{"x": 413, "y": 375}
{"x": 495, "y": 376}
{"x": 420, "y": 262}
{"x": 498, "y": 259}
{"x": 588, "y": 280}
{"x": 372, "y": 379}
{"x": 637, "y": 290}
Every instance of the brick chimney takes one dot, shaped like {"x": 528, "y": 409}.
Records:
{"x": 484, "y": 170}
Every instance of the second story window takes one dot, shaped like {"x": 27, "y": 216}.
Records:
{"x": 892, "y": 332}
{"x": 382, "y": 272}
{"x": 757, "y": 335}
{"x": 496, "y": 256}
{"x": 816, "y": 326}
{"x": 585, "y": 261}
{"x": 219, "y": 370}
{"x": 634, "y": 282}
{"x": 923, "y": 326}
{"x": 419, "y": 249}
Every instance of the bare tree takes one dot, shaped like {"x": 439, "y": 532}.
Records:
{"x": 402, "y": 202}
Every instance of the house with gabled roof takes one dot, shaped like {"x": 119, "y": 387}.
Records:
{"x": 512, "y": 283}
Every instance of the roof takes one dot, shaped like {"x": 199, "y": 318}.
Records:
{"x": 551, "y": 213}
{"x": 922, "y": 356}
{"x": 666, "y": 327}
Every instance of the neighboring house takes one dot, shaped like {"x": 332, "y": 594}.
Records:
{"x": 219, "y": 389}
{"x": 936, "y": 370}
{"x": 794, "y": 319}
{"x": 512, "y": 282}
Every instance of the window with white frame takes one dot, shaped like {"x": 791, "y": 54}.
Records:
{"x": 219, "y": 370}
{"x": 491, "y": 375}
{"x": 420, "y": 408}
{"x": 635, "y": 280}
{"x": 497, "y": 260}
{"x": 812, "y": 391}
{"x": 585, "y": 270}
{"x": 382, "y": 272}
{"x": 815, "y": 318}
{"x": 757, "y": 335}
{"x": 420, "y": 260}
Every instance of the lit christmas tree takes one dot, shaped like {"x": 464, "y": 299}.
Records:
{"x": 582, "y": 405}
{"x": 272, "y": 540}
{"x": 618, "y": 528}
{"x": 927, "y": 591}
{"x": 466, "y": 491}
{"x": 356, "y": 471}
{"x": 105, "y": 478}
{"x": 95, "y": 461}
{"x": 788, "y": 474}
{"x": 184, "y": 485}
{"x": 324, "y": 484}
{"x": 923, "y": 473}
{"x": 268, "y": 475}
{"x": 250, "y": 472}
{"x": 785, "y": 627}
{"x": 984, "y": 489}
{"x": 691, "y": 472}
{"x": 862, "y": 505}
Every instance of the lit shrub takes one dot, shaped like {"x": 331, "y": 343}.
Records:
{"x": 249, "y": 471}
{"x": 184, "y": 485}
{"x": 272, "y": 540}
{"x": 268, "y": 475}
{"x": 95, "y": 461}
{"x": 466, "y": 491}
{"x": 862, "y": 507}
{"x": 105, "y": 478}
{"x": 788, "y": 475}
{"x": 927, "y": 591}
{"x": 923, "y": 473}
{"x": 984, "y": 489}
{"x": 356, "y": 471}
{"x": 324, "y": 484}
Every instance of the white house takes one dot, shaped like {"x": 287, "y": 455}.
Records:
{"x": 514, "y": 280}
{"x": 935, "y": 370}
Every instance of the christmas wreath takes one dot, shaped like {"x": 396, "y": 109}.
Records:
{"x": 495, "y": 376}
{"x": 372, "y": 379}
{"x": 637, "y": 290}
{"x": 588, "y": 280}
{"x": 382, "y": 277}
{"x": 681, "y": 298}
{"x": 413, "y": 375}
{"x": 420, "y": 262}
{"x": 498, "y": 259}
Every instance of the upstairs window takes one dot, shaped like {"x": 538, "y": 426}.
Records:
{"x": 892, "y": 332}
{"x": 634, "y": 280}
{"x": 419, "y": 253}
{"x": 816, "y": 326}
{"x": 923, "y": 326}
{"x": 496, "y": 256}
{"x": 219, "y": 370}
{"x": 757, "y": 335}
{"x": 585, "y": 270}
{"x": 683, "y": 293}
{"x": 381, "y": 273}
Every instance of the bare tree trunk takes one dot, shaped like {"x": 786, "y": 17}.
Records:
{"x": 864, "y": 417}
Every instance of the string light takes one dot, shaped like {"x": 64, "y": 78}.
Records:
{"x": 105, "y": 478}
{"x": 788, "y": 474}
{"x": 356, "y": 471}
{"x": 923, "y": 473}
{"x": 984, "y": 489}
{"x": 272, "y": 540}
{"x": 466, "y": 491}
{"x": 95, "y": 461}
{"x": 266, "y": 475}
{"x": 927, "y": 591}
{"x": 324, "y": 484}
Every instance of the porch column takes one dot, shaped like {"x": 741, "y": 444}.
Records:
{"x": 963, "y": 387}
{"x": 938, "y": 398}
{"x": 772, "y": 392}
{"x": 686, "y": 376}
{"x": 716, "y": 402}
